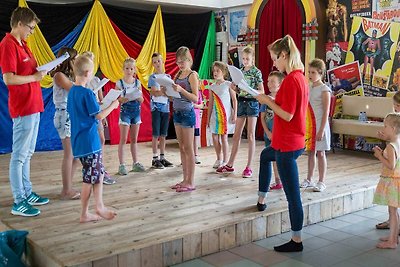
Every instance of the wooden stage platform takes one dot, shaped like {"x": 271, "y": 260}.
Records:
{"x": 156, "y": 226}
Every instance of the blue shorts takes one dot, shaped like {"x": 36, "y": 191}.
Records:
{"x": 159, "y": 123}
{"x": 130, "y": 115}
{"x": 248, "y": 108}
{"x": 62, "y": 123}
{"x": 92, "y": 168}
{"x": 185, "y": 118}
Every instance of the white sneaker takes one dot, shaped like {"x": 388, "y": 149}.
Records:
{"x": 217, "y": 164}
{"x": 319, "y": 187}
{"x": 306, "y": 184}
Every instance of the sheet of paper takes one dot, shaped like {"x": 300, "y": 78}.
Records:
{"x": 52, "y": 64}
{"x": 236, "y": 74}
{"x": 167, "y": 82}
{"x": 245, "y": 87}
{"x": 110, "y": 97}
{"x": 160, "y": 99}
{"x": 100, "y": 84}
{"x": 133, "y": 93}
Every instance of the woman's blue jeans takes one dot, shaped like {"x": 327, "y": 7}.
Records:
{"x": 25, "y": 131}
{"x": 287, "y": 168}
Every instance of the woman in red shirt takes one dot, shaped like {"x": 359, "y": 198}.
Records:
{"x": 288, "y": 133}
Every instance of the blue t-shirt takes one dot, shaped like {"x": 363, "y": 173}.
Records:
{"x": 83, "y": 108}
{"x": 156, "y": 105}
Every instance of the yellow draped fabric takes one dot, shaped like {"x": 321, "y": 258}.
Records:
{"x": 99, "y": 36}
{"x": 155, "y": 42}
{"x": 40, "y": 49}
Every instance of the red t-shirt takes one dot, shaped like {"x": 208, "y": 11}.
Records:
{"x": 24, "y": 99}
{"x": 292, "y": 97}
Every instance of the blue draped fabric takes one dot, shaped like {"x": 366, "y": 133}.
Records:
{"x": 70, "y": 39}
{"x": 48, "y": 138}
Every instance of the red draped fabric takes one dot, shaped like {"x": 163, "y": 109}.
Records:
{"x": 278, "y": 18}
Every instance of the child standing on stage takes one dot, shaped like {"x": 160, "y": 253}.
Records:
{"x": 85, "y": 114}
{"x": 320, "y": 140}
{"x": 220, "y": 112}
{"x": 159, "y": 104}
{"x": 275, "y": 79}
{"x": 63, "y": 76}
{"x": 387, "y": 192}
{"x": 248, "y": 108}
{"x": 187, "y": 85}
{"x": 93, "y": 83}
{"x": 129, "y": 117}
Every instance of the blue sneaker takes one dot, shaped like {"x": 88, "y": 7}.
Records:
{"x": 24, "y": 209}
{"x": 36, "y": 200}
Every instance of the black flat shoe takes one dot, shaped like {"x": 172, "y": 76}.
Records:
{"x": 261, "y": 207}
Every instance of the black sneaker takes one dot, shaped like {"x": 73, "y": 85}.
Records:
{"x": 166, "y": 163}
{"x": 156, "y": 164}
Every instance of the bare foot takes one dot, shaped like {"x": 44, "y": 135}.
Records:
{"x": 106, "y": 213}
{"x": 89, "y": 218}
{"x": 386, "y": 239}
{"x": 71, "y": 195}
{"x": 386, "y": 244}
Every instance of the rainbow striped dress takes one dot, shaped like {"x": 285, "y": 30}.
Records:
{"x": 221, "y": 111}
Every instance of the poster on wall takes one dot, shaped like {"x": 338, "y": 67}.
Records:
{"x": 394, "y": 81}
{"x": 335, "y": 54}
{"x": 386, "y": 10}
{"x": 345, "y": 79}
{"x": 373, "y": 44}
{"x": 237, "y": 24}
{"x": 339, "y": 14}
{"x": 221, "y": 21}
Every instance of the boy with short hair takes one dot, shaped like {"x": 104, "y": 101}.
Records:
{"x": 85, "y": 114}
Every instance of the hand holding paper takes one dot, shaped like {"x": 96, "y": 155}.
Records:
{"x": 236, "y": 74}
{"x": 110, "y": 97}
{"x": 101, "y": 84}
{"x": 52, "y": 64}
{"x": 167, "y": 82}
{"x": 245, "y": 87}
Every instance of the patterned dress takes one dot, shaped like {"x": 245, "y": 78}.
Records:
{"x": 221, "y": 111}
{"x": 388, "y": 189}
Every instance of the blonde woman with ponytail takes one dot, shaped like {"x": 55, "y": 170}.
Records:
{"x": 288, "y": 133}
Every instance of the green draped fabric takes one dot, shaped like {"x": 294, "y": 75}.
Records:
{"x": 209, "y": 51}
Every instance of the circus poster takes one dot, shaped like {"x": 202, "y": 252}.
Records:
{"x": 373, "y": 44}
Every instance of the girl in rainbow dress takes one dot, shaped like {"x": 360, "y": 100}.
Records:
{"x": 221, "y": 116}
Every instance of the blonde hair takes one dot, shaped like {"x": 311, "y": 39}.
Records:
{"x": 396, "y": 97}
{"x": 279, "y": 75}
{"x": 319, "y": 65}
{"x": 249, "y": 50}
{"x": 184, "y": 53}
{"x": 223, "y": 67}
{"x": 394, "y": 120}
{"x": 287, "y": 45}
{"x": 82, "y": 65}
{"x": 88, "y": 54}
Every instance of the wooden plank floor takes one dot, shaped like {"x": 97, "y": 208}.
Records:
{"x": 150, "y": 213}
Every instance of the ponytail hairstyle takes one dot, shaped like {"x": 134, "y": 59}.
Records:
{"x": 66, "y": 67}
{"x": 287, "y": 45}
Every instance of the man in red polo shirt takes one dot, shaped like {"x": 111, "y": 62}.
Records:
{"x": 25, "y": 103}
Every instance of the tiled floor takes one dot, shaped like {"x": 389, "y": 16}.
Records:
{"x": 346, "y": 241}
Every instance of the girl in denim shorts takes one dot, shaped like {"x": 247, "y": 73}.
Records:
{"x": 248, "y": 109}
{"x": 187, "y": 85}
{"x": 62, "y": 81}
{"x": 129, "y": 117}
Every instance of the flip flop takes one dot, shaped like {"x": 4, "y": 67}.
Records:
{"x": 176, "y": 186}
{"x": 185, "y": 189}
{"x": 383, "y": 225}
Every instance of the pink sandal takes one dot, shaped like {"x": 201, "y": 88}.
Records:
{"x": 176, "y": 186}
{"x": 182, "y": 189}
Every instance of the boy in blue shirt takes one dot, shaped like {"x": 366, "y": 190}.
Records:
{"x": 85, "y": 113}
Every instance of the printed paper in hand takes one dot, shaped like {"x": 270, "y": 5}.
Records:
{"x": 133, "y": 93}
{"x": 167, "y": 82}
{"x": 101, "y": 84}
{"x": 109, "y": 98}
{"x": 236, "y": 74}
{"x": 245, "y": 87}
{"x": 52, "y": 64}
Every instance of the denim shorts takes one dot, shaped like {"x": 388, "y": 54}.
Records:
{"x": 92, "y": 168}
{"x": 185, "y": 118}
{"x": 159, "y": 123}
{"x": 130, "y": 115}
{"x": 248, "y": 108}
{"x": 62, "y": 123}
